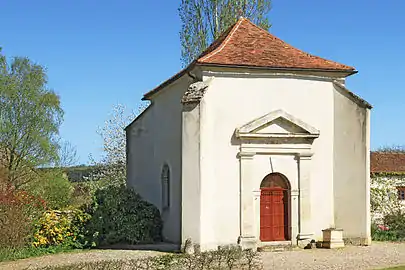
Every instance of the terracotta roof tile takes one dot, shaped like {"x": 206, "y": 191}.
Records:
{"x": 387, "y": 162}
{"x": 245, "y": 44}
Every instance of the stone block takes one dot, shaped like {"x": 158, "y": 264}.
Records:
{"x": 332, "y": 238}
{"x": 248, "y": 242}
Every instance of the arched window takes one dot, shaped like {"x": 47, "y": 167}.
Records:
{"x": 165, "y": 187}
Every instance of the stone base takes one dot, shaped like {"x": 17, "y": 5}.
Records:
{"x": 357, "y": 241}
{"x": 304, "y": 239}
{"x": 188, "y": 247}
{"x": 333, "y": 238}
{"x": 247, "y": 242}
{"x": 333, "y": 244}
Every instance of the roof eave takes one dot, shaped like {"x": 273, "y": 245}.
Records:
{"x": 172, "y": 79}
{"x": 358, "y": 99}
{"x": 148, "y": 95}
{"x": 348, "y": 72}
{"x": 139, "y": 116}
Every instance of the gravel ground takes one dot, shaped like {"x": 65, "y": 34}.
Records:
{"x": 378, "y": 255}
{"x": 75, "y": 257}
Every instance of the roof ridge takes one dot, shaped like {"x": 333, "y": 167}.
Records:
{"x": 224, "y": 42}
{"x": 293, "y": 47}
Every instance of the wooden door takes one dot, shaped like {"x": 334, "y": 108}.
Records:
{"x": 273, "y": 214}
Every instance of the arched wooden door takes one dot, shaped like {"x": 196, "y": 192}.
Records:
{"x": 274, "y": 208}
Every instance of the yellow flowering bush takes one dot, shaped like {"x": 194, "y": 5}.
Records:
{"x": 61, "y": 228}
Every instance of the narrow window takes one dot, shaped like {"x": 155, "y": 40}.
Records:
{"x": 401, "y": 193}
{"x": 165, "y": 187}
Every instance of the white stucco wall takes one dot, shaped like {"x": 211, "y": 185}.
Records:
{"x": 191, "y": 184}
{"x": 230, "y": 102}
{"x": 155, "y": 139}
{"x": 351, "y": 166}
{"x": 208, "y": 150}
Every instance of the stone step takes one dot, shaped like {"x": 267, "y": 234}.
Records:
{"x": 275, "y": 248}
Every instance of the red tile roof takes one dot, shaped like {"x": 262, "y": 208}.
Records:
{"x": 387, "y": 162}
{"x": 246, "y": 44}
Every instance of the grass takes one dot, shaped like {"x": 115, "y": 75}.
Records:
{"x": 7, "y": 254}
{"x": 395, "y": 268}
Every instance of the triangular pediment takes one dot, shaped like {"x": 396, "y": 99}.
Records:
{"x": 277, "y": 124}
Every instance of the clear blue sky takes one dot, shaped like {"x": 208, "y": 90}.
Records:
{"x": 100, "y": 53}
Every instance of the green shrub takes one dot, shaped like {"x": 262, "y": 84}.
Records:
{"x": 61, "y": 228}
{"x": 392, "y": 230}
{"x": 58, "y": 192}
{"x": 120, "y": 215}
{"x": 54, "y": 188}
{"x": 379, "y": 234}
{"x": 82, "y": 194}
{"x": 396, "y": 223}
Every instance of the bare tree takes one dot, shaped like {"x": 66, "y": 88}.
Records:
{"x": 204, "y": 20}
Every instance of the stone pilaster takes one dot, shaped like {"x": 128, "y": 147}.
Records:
{"x": 247, "y": 238}
{"x": 294, "y": 215}
{"x": 305, "y": 211}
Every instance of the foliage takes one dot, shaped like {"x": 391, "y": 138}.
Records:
{"x": 11, "y": 254}
{"x": 383, "y": 233}
{"x": 121, "y": 216}
{"x": 67, "y": 155}
{"x": 229, "y": 258}
{"x": 388, "y": 212}
{"x": 396, "y": 223}
{"x": 112, "y": 167}
{"x": 392, "y": 149}
{"x": 384, "y": 196}
{"x": 30, "y": 116}
{"x": 56, "y": 228}
{"x": 54, "y": 187}
{"x": 18, "y": 211}
{"x": 82, "y": 195}
{"x": 204, "y": 20}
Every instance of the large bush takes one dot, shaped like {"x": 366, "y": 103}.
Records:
{"x": 57, "y": 192}
{"x": 61, "y": 228}
{"x": 121, "y": 216}
{"x": 54, "y": 187}
{"x": 18, "y": 211}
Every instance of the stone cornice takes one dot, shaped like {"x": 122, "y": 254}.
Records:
{"x": 195, "y": 92}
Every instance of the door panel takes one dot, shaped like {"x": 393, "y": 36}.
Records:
{"x": 273, "y": 211}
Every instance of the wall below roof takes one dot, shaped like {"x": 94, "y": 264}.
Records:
{"x": 152, "y": 141}
{"x": 351, "y": 166}
{"x": 232, "y": 101}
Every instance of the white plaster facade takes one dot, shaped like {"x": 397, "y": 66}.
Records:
{"x": 244, "y": 125}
